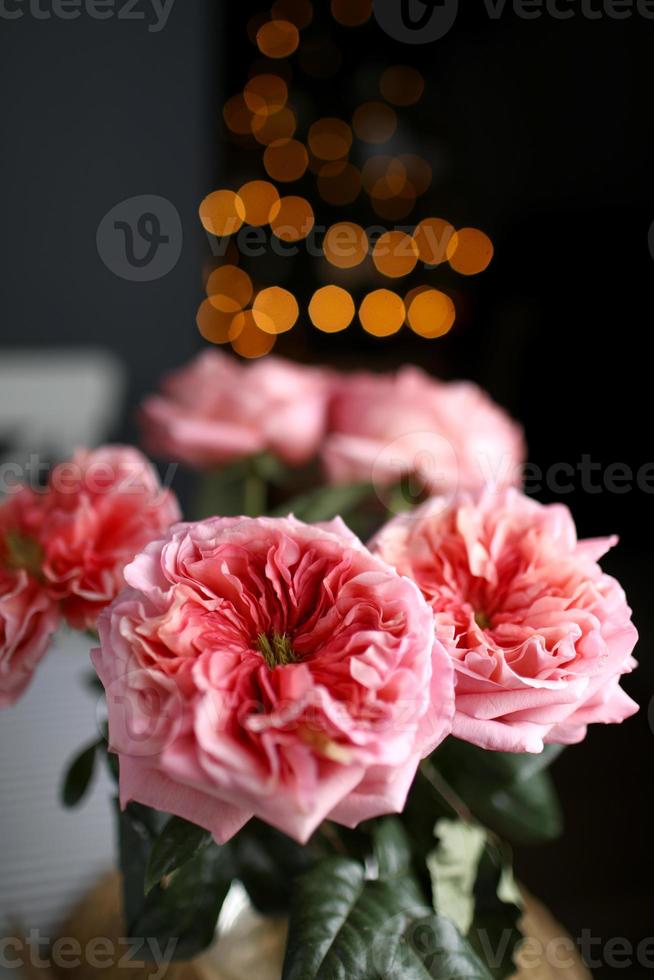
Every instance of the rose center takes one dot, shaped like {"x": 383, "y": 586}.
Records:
{"x": 276, "y": 650}
{"x": 23, "y": 553}
{"x": 482, "y": 620}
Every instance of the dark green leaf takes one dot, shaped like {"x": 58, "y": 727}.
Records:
{"x": 267, "y": 862}
{"x": 186, "y": 911}
{"x": 327, "y": 502}
{"x": 346, "y": 927}
{"x": 175, "y": 845}
{"x": 494, "y": 933}
{"x": 78, "y": 777}
{"x": 391, "y": 848}
{"x": 509, "y": 792}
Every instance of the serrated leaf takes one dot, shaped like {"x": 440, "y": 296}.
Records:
{"x": 346, "y": 927}
{"x": 79, "y": 775}
{"x": 176, "y": 844}
{"x": 326, "y": 503}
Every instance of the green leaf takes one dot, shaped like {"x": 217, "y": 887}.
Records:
{"x": 453, "y": 869}
{"x": 182, "y": 916}
{"x": 267, "y": 863}
{"x": 326, "y": 502}
{"x": 512, "y": 793}
{"x": 494, "y": 932}
{"x": 473, "y": 885}
{"x": 187, "y": 910}
{"x": 391, "y": 848}
{"x": 78, "y": 777}
{"x": 345, "y": 926}
{"x": 176, "y": 844}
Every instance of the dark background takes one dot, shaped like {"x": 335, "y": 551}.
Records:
{"x": 540, "y": 132}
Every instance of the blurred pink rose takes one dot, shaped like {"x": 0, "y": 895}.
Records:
{"x": 28, "y": 616}
{"x": 101, "y": 507}
{"x": 450, "y": 434}
{"x": 538, "y": 634}
{"x": 265, "y": 667}
{"x": 217, "y": 409}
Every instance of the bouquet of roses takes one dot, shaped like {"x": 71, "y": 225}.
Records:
{"x": 354, "y": 732}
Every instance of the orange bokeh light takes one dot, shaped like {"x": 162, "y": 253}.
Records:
{"x": 291, "y": 218}
{"x": 382, "y": 313}
{"x": 330, "y": 138}
{"x": 345, "y": 245}
{"x": 214, "y": 325}
{"x": 229, "y": 288}
{"x": 395, "y": 254}
{"x": 331, "y": 309}
{"x": 431, "y": 313}
{"x": 351, "y": 13}
{"x": 433, "y": 237}
{"x": 222, "y": 213}
{"x": 265, "y": 94}
{"x": 339, "y": 183}
{"x": 402, "y": 85}
{"x": 278, "y": 125}
{"x": 277, "y": 38}
{"x": 374, "y": 122}
{"x": 258, "y": 198}
{"x": 275, "y": 310}
{"x": 246, "y": 337}
{"x": 286, "y": 160}
{"x": 469, "y": 251}
{"x": 237, "y": 115}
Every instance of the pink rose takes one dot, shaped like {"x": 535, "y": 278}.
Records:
{"x": 28, "y": 616}
{"x": 265, "y": 667}
{"x": 451, "y": 435}
{"x": 217, "y": 409}
{"x": 101, "y": 507}
{"x": 538, "y": 634}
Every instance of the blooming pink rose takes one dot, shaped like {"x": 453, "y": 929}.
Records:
{"x": 265, "y": 667}
{"x": 101, "y": 507}
{"x": 538, "y": 634}
{"x": 217, "y": 409}
{"x": 450, "y": 434}
{"x": 28, "y": 616}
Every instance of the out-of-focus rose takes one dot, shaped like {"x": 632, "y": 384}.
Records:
{"x": 28, "y": 615}
{"x": 217, "y": 409}
{"x": 272, "y": 668}
{"x": 101, "y": 507}
{"x": 538, "y": 634}
{"x": 449, "y": 434}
